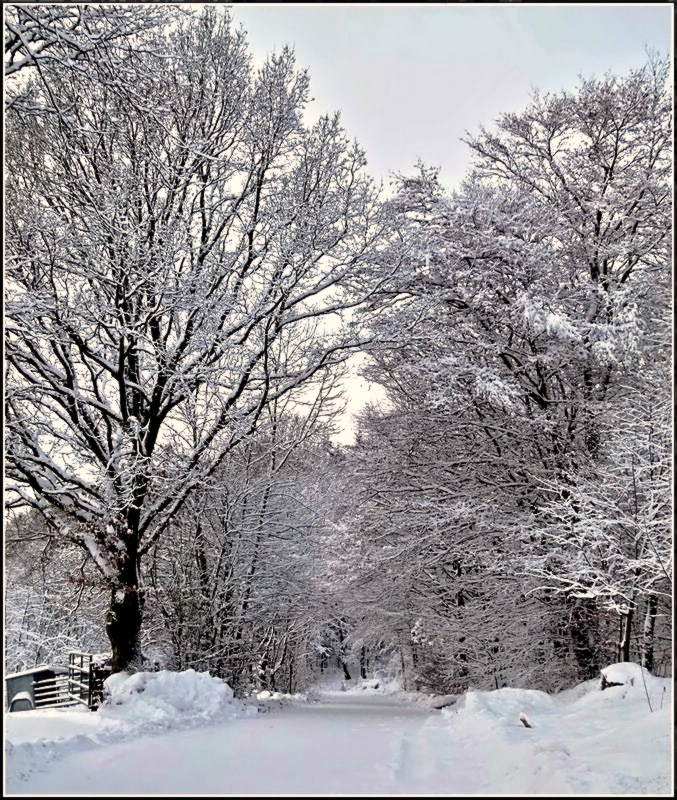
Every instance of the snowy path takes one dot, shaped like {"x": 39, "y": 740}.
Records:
{"x": 583, "y": 741}
{"x": 345, "y": 744}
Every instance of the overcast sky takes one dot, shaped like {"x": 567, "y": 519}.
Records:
{"x": 411, "y": 80}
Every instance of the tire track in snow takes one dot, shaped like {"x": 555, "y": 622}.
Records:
{"x": 423, "y": 757}
{"x": 402, "y": 764}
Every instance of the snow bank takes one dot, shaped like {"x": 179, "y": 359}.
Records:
{"x": 632, "y": 675}
{"x": 141, "y": 704}
{"x": 366, "y": 686}
{"x": 282, "y": 697}
{"x": 165, "y": 698}
{"x": 590, "y": 740}
{"x": 266, "y": 695}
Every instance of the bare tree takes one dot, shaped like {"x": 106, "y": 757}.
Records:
{"x": 157, "y": 254}
{"x": 103, "y": 43}
{"x": 233, "y": 581}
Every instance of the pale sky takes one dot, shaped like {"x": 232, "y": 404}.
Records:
{"x": 410, "y": 80}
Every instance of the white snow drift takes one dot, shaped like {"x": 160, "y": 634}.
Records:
{"x": 512, "y": 741}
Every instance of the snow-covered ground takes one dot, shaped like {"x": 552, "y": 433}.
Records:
{"x": 183, "y": 733}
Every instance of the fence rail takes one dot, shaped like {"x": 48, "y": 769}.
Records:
{"x": 52, "y": 692}
{"x": 83, "y": 683}
{"x": 85, "y": 679}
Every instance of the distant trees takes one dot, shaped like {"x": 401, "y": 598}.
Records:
{"x": 435, "y": 564}
{"x": 51, "y": 608}
{"x": 236, "y": 581}
{"x": 175, "y": 265}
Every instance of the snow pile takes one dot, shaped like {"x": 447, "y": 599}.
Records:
{"x": 634, "y": 677}
{"x": 590, "y": 740}
{"x": 266, "y": 701}
{"x": 144, "y": 703}
{"x": 291, "y": 698}
{"x": 165, "y": 698}
{"x": 362, "y": 686}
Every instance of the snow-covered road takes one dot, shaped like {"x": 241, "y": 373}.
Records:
{"x": 169, "y": 733}
{"x": 344, "y": 744}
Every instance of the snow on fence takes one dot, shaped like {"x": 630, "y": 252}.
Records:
{"x": 38, "y": 687}
{"x": 86, "y": 675}
{"x": 52, "y": 692}
{"x": 51, "y": 687}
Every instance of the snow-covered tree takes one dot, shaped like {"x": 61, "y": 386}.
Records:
{"x": 611, "y": 539}
{"x": 431, "y": 560}
{"x": 530, "y": 298}
{"x": 527, "y": 288}
{"x": 53, "y": 599}
{"x": 234, "y": 581}
{"x": 101, "y": 42}
{"x": 158, "y": 252}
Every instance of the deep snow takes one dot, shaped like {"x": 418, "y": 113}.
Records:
{"x": 183, "y": 733}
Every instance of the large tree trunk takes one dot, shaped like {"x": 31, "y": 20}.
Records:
{"x": 125, "y": 615}
{"x": 123, "y": 626}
